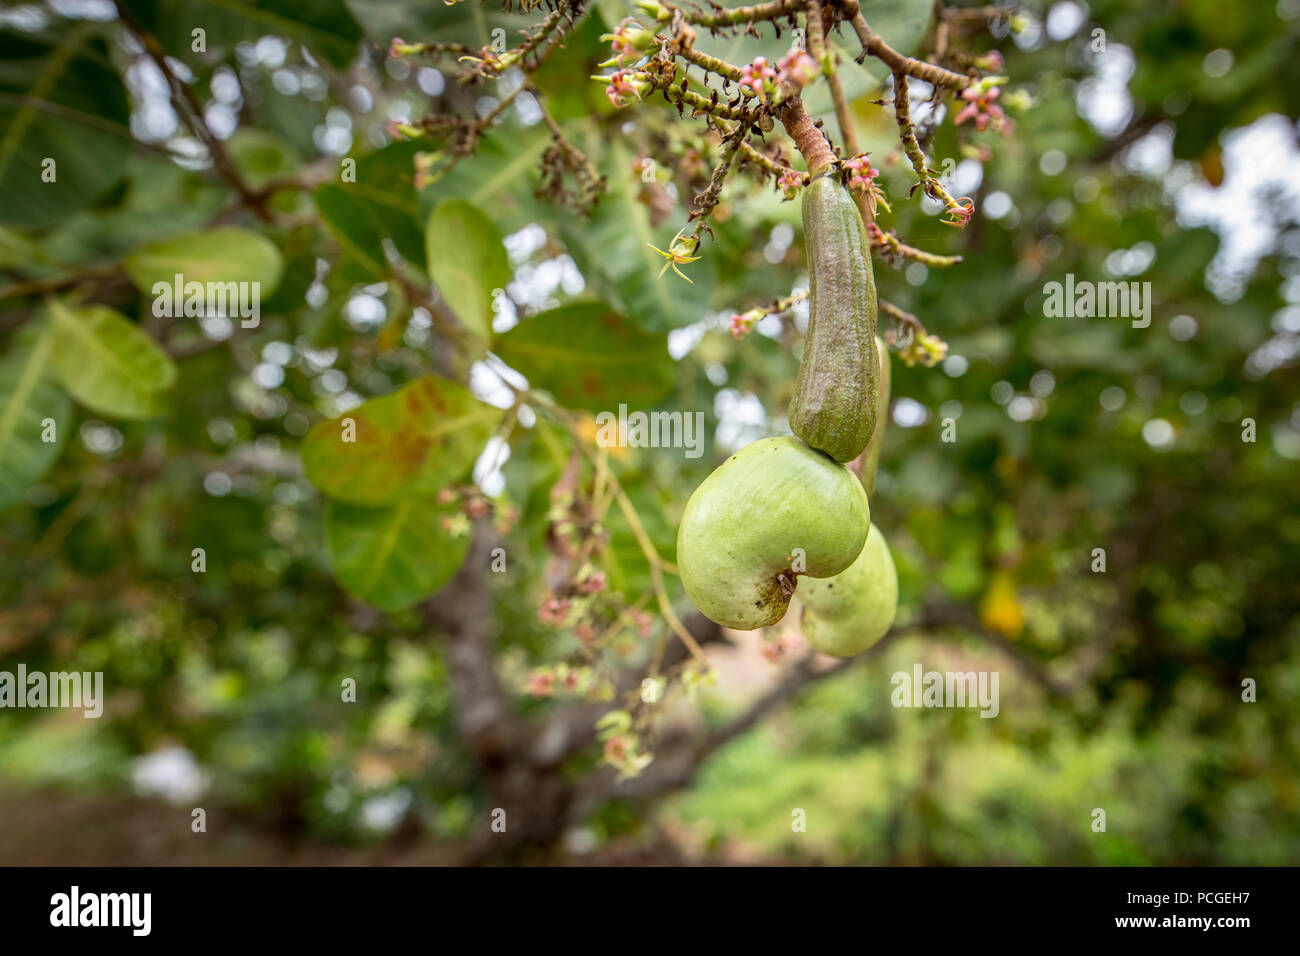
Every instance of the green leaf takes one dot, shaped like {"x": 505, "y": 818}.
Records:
{"x": 28, "y": 396}
{"x": 613, "y": 251}
{"x": 325, "y": 27}
{"x": 467, "y": 261}
{"x": 589, "y": 356}
{"x": 106, "y": 362}
{"x": 415, "y": 440}
{"x": 353, "y": 223}
{"x": 386, "y": 180}
{"x": 215, "y": 255}
{"x": 62, "y": 101}
{"x": 380, "y": 203}
{"x": 502, "y": 176}
{"x": 396, "y": 556}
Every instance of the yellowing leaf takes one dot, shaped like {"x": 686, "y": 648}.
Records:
{"x": 415, "y": 440}
{"x": 106, "y": 362}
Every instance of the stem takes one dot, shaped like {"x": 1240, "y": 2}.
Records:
{"x": 907, "y": 134}
{"x": 656, "y": 575}
{"x": 710, "y": 64}
{"x": 679, "y": 96}
{"x": 808, "y": 138}
{"x": 873, "y": 45}
{"x": 190, "y": 111}
{"x": 893, "y": 247}
{"x": 737, "y": 16}
{"x": 706, "y": 201}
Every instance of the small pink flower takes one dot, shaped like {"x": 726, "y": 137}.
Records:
{"x": 862, "y": 173}
{"x": 630, "y": 41}
{"x": 960, "y": 214}
{"x": 541, "y": 683}
{"x": 981, "y": 108}
{"x": 476, "y": 507}
{"x": 790, "y": 182}
{"x": 742, "y": 323}
{"x": 797, "y": 68}
{"x": 863, "y": 178}
{"x": 624, "y": 89}
{"x": 643, "y": 623}
{"x": 757, "y": 77}
{"x": 554, "y": 610}
{"x": 594, "y": 582}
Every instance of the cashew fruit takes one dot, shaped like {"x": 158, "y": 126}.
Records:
{"x": 835, "y": 394}
{"x": 848, "y": 613}
{"x": 774, "y": 510}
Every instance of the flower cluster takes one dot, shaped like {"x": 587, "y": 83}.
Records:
{"x": 630, "y": 42}
{"x": 568, "y": 679}
{"x": 790, "y": 182}
{"x": 862, "y": 177}
{"x": 758, "y": 79}
{"x": 981, "y": 108}
{"x": 471, "y": 504}
{"x": 797, "y": 68}
{"x": 489, "y": 61}
{"x": 958, "y": 214}
{"x": 624, "y": 87}
{"x": 742, "y": 323}
{"x": 928, "y": 350}
{"x": 622, "y": 744}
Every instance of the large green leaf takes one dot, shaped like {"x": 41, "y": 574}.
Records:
{"x": 467, "y": 262}
{"x": 107, "y": 362}
{"x": 29, "y": 396}
{"x": 395, "y": 556}
{"x": 380, "y": 203}
{"x": 613, "y": 251}
{"x": 354, "y": 224}
{"x": 415, "y": 440}
{"x": 386, "y": 180}
{"x": 215, "y": 255}
{"x": 589, "y": 356}
{"x": 502, "y": 176}
{"x": 61, "y": 101}
{"x": 326, "y": 27}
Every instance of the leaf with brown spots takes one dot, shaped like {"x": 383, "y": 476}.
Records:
{"x": 413, "y": 441}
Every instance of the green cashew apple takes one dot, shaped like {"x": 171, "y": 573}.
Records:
{"x": 772, "y": 511}
{"x": 848, "y": 613}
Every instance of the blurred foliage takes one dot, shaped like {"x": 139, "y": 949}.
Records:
{"x": 1056, "y": 454}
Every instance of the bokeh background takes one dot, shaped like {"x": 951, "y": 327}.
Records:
{"x": 1168, "y": 153}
